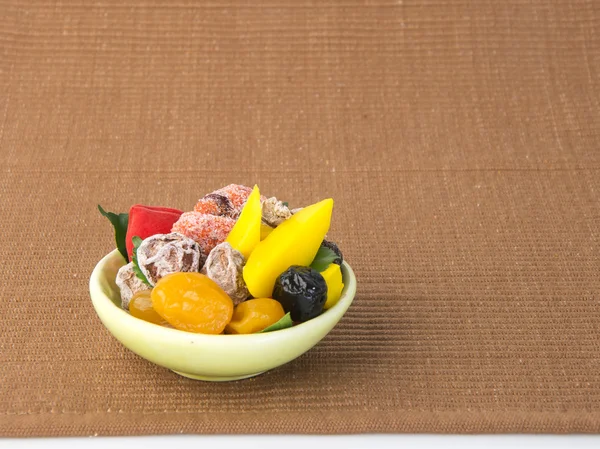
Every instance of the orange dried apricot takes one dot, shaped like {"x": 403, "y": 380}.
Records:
{"x": 140, "y": 307}
{"x": 192, "y": 302}
{"x": 254, "y": 315}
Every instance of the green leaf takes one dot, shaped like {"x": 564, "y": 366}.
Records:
{"x": 285, "y": 203}
{"x": 325, "y": 256}
{"x": 137, "y": 241}
{"x": 119, "y": 222}
{"x": 283, "y": 323}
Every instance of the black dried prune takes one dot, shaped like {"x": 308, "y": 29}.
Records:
{"x": 301, "y": 291}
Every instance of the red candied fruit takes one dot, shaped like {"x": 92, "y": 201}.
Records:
{"x": 227, "y": 201}
{"x": 206, "y": 230}
{"x": 236, "y": 193}
{"x": 214, "y": 204}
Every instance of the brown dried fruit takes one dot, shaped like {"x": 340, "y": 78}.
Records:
{"x": 129, "y": 284}
{"x": 224, "y": 266}
{"x": 163, "y": 254}
{"x": 274, "y": 212}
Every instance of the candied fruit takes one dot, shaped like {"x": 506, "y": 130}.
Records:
{"x": 265, "y": 230}
{"x": 215, "y": 204}
{"x": 335, "y": 285}
{"x": 245, "y": 235}
{"x": 163, "y": 254}
{"x": 192, "y": 302}
{"x": 301, "y": 291}
{"x": 206, "y": 230}
{"x": 274, "y": 212}
{"x": 254, "y": 315}
{"x": 224, "y": 266}
{"x": 140, "y": 307}
{"x": 129, "y": 284}
{"x": 237, "y": 194}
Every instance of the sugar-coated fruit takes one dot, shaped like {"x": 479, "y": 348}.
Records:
{"x": 265, "y": 230}
{"x": 140, "y": 307}
{"x": 245, "y": 234}
{"x": 335, "y": 285}
{"x": 254, "y": 315}
{"x": 192, "y": 302}
{"x": 206, "y": 230}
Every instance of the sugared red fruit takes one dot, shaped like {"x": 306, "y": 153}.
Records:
{"x": 140, "y": 307}
{"x": 293, "y": 242}
{"x": 301, "y": 291}
{"x": 145, "y": 221}
{"x": 254, "y": 315}
{"x": 236, "y": 193}
{"x": 192, "y": 302}
{"x": 245, "y": 235}
{"x": 206, "y": 230}
{"x": 333, "y": 278}
{"x": 214, "y": 204}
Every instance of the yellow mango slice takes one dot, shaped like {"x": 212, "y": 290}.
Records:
{"x": 294, "y": 242}
{"x": 245, "y": 234}
{"x": 333, "y": 278}
{"x": 265, "y": 230}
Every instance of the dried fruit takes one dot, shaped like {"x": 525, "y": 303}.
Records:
{"x": 335, "y": 285}
{"x": 294, "y": 242}
{"x": 163, "y": 254}
{"x": 224, "y": 265}
{"x": 254, "y": 315}
{"x": 140, "y": 307}
{"x": 265, "y": 230}
{"x": 245, "y": 235}
{"x": 206, "y": 230}
{"x": 237, "y": 194}
{"x": 129, "y": 284}
{"x": 215, "y": 204}
{"x": 227, "y": 201}
{"x": 145, "y": 221}
{"x": 192, "y": 302}
{"x": 274, "y": 212}
{"x": 301, "y": 291}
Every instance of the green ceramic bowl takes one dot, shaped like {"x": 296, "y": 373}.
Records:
{"x": 209, "y": 357}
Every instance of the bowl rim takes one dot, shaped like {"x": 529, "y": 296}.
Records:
{"x": 101, "y": 300}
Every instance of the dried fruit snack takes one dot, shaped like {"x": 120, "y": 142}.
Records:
{"x": 245, "y": 235}
{"x": 192, "y": 302}
{"x": 227, "y": 201}
{"x": 206, "y": 230}
{"x": 245, "y": 245}
{"x": 254, "y": 315}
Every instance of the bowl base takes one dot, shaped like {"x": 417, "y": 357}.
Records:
{"x": 216, "y": 379}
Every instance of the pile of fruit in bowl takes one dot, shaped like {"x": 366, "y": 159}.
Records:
{"x": 239, "y": 263}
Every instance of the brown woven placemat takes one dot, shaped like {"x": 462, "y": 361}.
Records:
{"x": 459, "y": 139}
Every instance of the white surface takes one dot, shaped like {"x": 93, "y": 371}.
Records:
{"x": 314, "y": 442}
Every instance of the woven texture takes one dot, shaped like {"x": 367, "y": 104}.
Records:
{"x": 459, "y": 139}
